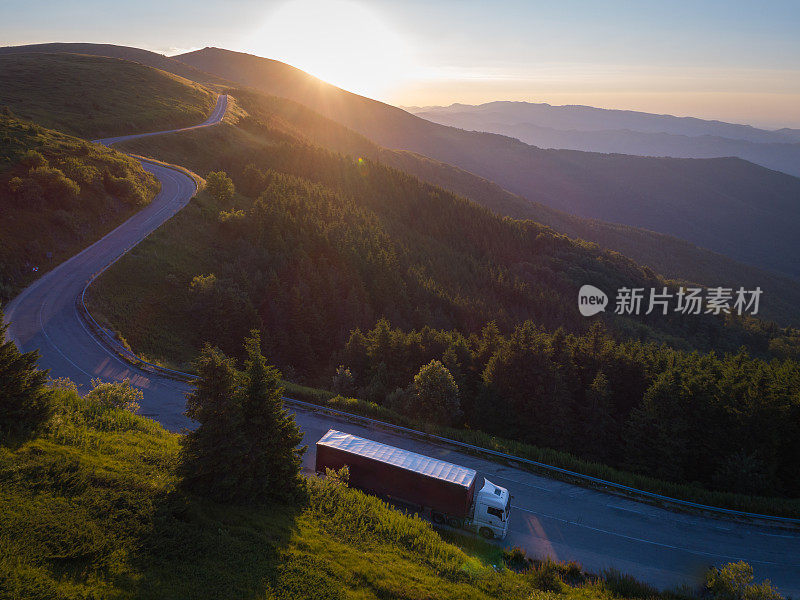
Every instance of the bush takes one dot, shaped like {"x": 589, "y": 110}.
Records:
{"x": 126, "y": 189}
{"x": 545, "y": 576}
{"x": 734, "y": 581}
{"x": 33, "y": 160}
{"x": 515, "y": 558}
{"x": 220, "y": 186}
{"x": 56, "y": 187}
{"x": 120, "y": 395}
{"x": 343, "y": 382}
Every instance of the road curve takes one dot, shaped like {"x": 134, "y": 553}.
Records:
{"x": 44, "y": 317}
{"x": 549, "y": 517}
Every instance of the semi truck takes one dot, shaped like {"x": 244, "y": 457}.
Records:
{"x": 446, "y": 493}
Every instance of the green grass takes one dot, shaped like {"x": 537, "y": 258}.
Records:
{"x": 93, "y": 97}
{"x": 90, "y": 509}
{"x": 58, "y": 194}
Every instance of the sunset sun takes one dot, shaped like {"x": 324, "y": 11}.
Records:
{"x": 343, "y": 42}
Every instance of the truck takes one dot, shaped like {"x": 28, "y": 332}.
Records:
{"x": 444, "y": 492}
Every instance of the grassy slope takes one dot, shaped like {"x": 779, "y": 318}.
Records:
{"x": 93, "y": 97}
{"x": 145, "y": 57}
{"x": 36, "y": 222}
{"x": 90, "y": 509}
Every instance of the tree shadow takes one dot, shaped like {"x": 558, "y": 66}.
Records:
{"x": 194, "y": 548}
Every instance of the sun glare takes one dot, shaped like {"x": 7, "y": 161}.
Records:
{"x": 340, "y": 41}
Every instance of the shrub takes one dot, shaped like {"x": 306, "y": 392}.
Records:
{"x": 545, "y": 576}
{"x": 220, "y": 186}
{"x": 120, "y": 395}
{"x": 56, "y": 187}
{"x": 125, "y": 188}
{"x": 343, "y": 382}
{"x": 515, "y": 558}
{"x": 734, "y": 581}
{"x": 33, "y": 160}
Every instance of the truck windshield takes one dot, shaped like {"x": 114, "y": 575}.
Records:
{"x": 508, "y": 507}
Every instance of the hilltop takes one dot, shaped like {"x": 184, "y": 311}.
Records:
{"x": 94, "y": 97}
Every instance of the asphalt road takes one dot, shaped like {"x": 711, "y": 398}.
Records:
{"x": 549, "y": 517}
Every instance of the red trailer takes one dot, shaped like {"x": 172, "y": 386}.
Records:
{"x": 445, "y": 490}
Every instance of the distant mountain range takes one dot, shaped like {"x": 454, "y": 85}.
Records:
{"x": 622, "y": 131}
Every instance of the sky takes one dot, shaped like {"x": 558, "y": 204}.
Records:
{"x": 728, "y": 60}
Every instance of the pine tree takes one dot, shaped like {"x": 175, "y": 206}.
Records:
{"x": 25, "y": 402}
{"x": 212, "y": 455}
{"x": 273, "y": 459}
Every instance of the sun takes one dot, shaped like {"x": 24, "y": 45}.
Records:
{"x": 343, "y": 42}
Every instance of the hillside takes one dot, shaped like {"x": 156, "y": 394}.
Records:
{"x": 667, "y": 255}
{"x": 589, "y": 118}
{"x": 58, "y": 194}
{"x": 90, "y": 509}
{"x": 727, "y": 205}
{"x": 93, "y": 97}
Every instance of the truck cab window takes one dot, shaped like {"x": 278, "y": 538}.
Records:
{"x": 496, "y": 512}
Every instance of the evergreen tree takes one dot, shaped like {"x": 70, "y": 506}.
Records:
{"x": 435, "y": 395}
{"x": 273, "y": 459}
{"x": 212, "y": 456}
{"x": 25, "y": 402}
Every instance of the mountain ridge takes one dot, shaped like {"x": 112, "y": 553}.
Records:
{"x": 696, "y": 196}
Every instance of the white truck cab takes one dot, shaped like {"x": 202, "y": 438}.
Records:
{"x": 492, "y": 510}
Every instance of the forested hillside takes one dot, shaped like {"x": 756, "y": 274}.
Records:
{"x": 318, "y": 246}
{"x": 728, "y": 205}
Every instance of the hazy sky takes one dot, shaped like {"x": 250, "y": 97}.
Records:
{"x": 731, "y": 60}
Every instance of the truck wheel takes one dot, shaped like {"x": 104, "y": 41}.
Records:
{"x": 487, "y": 533}
{"x": 453, "y": 522}
{"x": 437, "y": 518}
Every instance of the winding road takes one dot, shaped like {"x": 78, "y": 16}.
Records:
{"x": 549, "y": 517}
